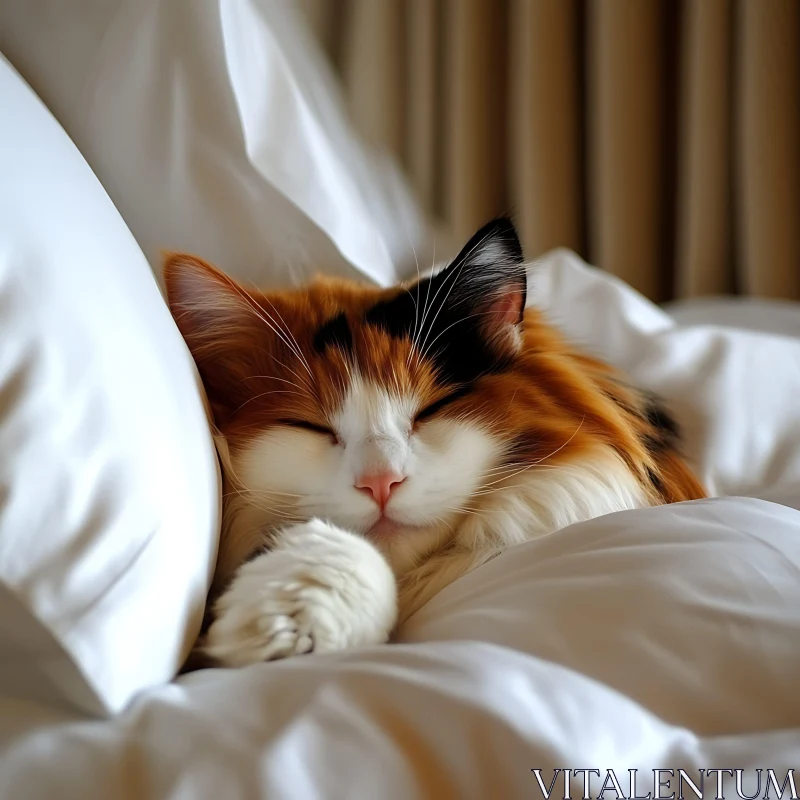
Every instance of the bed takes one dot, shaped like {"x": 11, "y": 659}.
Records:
{"x": 633, "y": 653}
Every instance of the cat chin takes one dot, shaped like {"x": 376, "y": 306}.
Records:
{"x": 388, "y": 529}
{"x": 405, "y": 546}
{"x": 385, "y": 528}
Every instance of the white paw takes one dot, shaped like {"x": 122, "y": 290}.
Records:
{"x": 320, "y": 589}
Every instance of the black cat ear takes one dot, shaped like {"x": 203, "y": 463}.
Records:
{"x": 488, "y": 282}
{"x": 466, "y": 318}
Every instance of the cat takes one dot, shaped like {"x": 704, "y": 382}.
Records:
{"x": 377, "y": 444}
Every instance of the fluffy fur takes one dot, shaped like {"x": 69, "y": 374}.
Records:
{"x": 487, "y": 425}
{"x": 322, "y": 589}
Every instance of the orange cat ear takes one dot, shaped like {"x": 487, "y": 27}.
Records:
{"x": 209, "y": 308}
{"x": 189, "y": 278}
{"x": 199, "y": 295}
{"x": 218, "y": 320}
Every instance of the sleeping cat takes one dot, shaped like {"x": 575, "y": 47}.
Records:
{"x": 379, "y": 443}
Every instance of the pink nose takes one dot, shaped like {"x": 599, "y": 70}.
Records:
{"x": 380, "y": 486}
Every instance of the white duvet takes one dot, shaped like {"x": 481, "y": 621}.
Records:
{"x": 657, "y": 639}
{"x": 660, "y": 639}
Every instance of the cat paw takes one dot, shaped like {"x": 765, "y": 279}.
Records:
{"x": 320, "y": 589}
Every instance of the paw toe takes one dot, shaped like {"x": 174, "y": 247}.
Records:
{"x": 274, "y": 624}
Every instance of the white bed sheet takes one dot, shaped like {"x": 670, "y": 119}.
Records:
{"x": 656, "y": 639}
{"x": 781, "y": 317}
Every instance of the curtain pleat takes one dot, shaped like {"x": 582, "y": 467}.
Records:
{"x": 704, "y": 217}
{"x": 424, "y": 101}
{"x": 660, "y": 139}
{"x": 475, "y": 149}
{"x": 624, "y": 128}
{"x": 768, "y": 147}
{"x": 373, "y": 70}
{"x": 545, "y": 145}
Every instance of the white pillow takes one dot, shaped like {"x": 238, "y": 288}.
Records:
{"x": 216, "y": 128}
{"x": 692, "y": 610}
{"x": 109, "y": 490}
{"x": 734, "y": 392}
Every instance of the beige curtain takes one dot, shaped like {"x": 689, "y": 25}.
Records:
{"x": 660, "y": 139}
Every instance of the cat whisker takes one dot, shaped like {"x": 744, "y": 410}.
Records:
{"x": 262, "y": 314}
{"x": 511, "y": 401}
{"x": 282, "y": 333}
{"x": 267, "y": 492}
{"x": 418, "y": 332}
{"x": 465, "y": 259}
{"x": 456, "y": 275}
{"x": 507, "y": 487}
{"x": 460, "y": 510}
{"x": 280, "y": 363}
{"x": 413, "y": 299}
{"x": 272, "y": 511}
{"x": 264, "y": 394}
{"x": 505, "y": 468}
{"x": 512, "y": 473}
{"x": 414, "y": 330}
{"x": 283, "y": 509}
{"x": 290, "y": 334}
{"x": 273, "y": 378}
{"x": 544, "y": 458}
{"x": 452, "y": 325}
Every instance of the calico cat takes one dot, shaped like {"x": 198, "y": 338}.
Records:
{"x": 379, "y": 443}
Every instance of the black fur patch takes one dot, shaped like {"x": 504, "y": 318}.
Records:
{"x": 448, "y": 336}
{"x": 334, "y": 333}
{"x": 656, "y": 482}
{"x": 445, "y": 314}
{"x": 666, "y": 433}
{"x": 661, "y": 419}
{"x": 397, "y": 316}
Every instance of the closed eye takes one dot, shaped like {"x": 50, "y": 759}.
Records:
{"x": 308, "y": 426}
{"x": 433, "y": 408}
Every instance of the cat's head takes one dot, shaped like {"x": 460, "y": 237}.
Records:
{"x": 397, "y": 413}
{"x": 359, "y": 405}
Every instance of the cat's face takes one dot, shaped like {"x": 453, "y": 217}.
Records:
{"x": 381, "y": 411}
{"x": 376, "y": 464}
